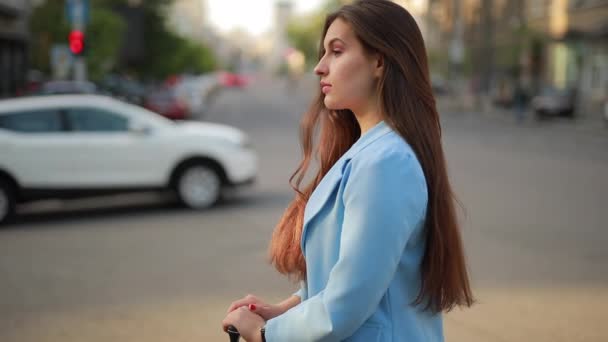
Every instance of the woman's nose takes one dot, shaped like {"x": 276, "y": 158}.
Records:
{"x": 320, "y": 69}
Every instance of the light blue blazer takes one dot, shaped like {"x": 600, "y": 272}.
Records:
{"x": 363, "y": 241}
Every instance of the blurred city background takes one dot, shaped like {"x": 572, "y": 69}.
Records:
{"x": 98, "y": 95}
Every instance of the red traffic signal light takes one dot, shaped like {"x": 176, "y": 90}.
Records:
{"x": 76, "y": 40}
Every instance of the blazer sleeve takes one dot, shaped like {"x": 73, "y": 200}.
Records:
{"x": 385, "y": 199}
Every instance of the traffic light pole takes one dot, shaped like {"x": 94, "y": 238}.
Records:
{"x": 78, "y": 23}
{"x": 80, "y": 69}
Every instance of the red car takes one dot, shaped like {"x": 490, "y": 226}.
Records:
{"x": 228, "y": 79}
{"x": 166, "y": 103}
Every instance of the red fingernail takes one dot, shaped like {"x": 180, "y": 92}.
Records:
{"x": 252, "y": 307}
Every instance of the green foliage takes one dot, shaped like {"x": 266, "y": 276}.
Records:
{"x": 305, "y": 36}
{"x": 157, "y": 6}
{"x": 332, "y": 5}
{"x": 521, "y": 40}
{"x": 48, "y": 26}
{"x": 166, "y": 52}
{"x": 189, "y": 57}
{"x": 304, "y": 32}
{"x": 438, "y": 61}
{"x": 104, "y": 37}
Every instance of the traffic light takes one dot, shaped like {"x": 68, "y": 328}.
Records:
{"x": 77, "y": 42}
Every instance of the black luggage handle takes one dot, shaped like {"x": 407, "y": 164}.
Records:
{"x": 233, "y": 333}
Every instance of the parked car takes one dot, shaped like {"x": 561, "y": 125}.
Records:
{"x": 68, "y": 87}
{"x": 554, "y": 102}
{"x": 197, "y": 91}
{"x": 124, "y": 88}
{"x": 166, "y": 102}
{"x": 232, "y": 80}
{"x": 72, "y": 146}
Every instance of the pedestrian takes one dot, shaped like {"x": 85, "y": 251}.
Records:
{"x": 373, "y": 238}
{"x": 606, "y": 110}
{"x": 520, "y": 100}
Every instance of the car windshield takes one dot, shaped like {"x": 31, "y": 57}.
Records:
{"x": 151, "y": 116}
{"x": 554, "y": 92}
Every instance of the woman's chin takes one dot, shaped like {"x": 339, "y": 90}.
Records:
{"x": 330, "y": 104}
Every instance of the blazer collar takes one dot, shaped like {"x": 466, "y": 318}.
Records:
{"x": 368, "y": 137}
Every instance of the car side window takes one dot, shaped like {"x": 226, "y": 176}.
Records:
{"x": 33, "y": 121}
{"x": 96, "y": 120}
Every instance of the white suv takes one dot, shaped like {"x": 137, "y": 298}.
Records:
{"x": 70, "y": 146}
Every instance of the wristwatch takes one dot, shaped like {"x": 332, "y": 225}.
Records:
{"x": 263, "y": 332}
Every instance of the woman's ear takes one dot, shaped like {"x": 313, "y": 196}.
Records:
{"x": 379, "y": 65}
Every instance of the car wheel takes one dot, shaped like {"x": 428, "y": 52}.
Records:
{"x": 198, "y": 186}
{"x": 566, "y": 113}
{"x": 7, "y": 201}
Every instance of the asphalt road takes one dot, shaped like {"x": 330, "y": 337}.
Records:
{"x": 132, "y": 268}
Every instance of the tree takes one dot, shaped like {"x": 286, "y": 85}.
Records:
{"x": 104, "y": 36}
{"x": 166, "y": 53}
{"x": 49, "y": 26}
{"x": 486, "y": 59}
{"x": 189, "y": 57}
{"x": 304, "y": 32}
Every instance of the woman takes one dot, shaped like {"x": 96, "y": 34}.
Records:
{"x": 374, "y": 238}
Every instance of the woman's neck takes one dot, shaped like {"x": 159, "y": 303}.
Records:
{"x": 368, "y": 121}
{"x": 369, "y": 116}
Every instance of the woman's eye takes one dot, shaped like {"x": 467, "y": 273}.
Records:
{"x": 337, "y": 52}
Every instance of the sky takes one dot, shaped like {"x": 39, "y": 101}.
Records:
{"x": 254, "y": 16}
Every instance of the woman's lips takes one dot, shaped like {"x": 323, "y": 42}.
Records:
{"x": 325, "y": 87}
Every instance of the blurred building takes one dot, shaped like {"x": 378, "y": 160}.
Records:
{"x": 418, "y": 9}
{"x": 468, "y": 32}
{"x": 188, "y": 18}
{"x": 236, "y": 50}
{"x": 282, "y": 15}
{"x": 133, "y": 49}
{"x": 14, "y": 41}
{"x": 574, "y": 47}
{"x": 560, "y": 43}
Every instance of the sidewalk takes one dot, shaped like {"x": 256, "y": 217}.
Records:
{"x": 586, "y": 123}
{"x": 531, "y": 314}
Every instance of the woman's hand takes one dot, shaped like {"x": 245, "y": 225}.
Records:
{"x": 266, "y": 311}
{"x": 246, "y": 322}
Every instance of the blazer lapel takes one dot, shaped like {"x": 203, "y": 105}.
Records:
{"x": 321, "y": 194}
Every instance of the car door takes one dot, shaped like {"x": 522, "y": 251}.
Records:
{"x": 35, "y": 141}
{"x": 106, "y": 152}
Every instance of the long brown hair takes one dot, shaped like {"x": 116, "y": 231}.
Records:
{"x": 408, "y": 106}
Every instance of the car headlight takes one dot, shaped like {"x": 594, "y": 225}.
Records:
{"x": 244, "y": 143}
